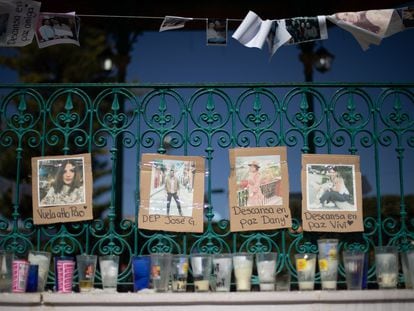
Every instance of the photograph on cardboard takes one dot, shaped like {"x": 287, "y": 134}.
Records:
{"x": 60, "y": 181}
{"x": 171, "y": 193}
{"x": 331, "y": 193}
{"x": 258, "y": 180}
{"x": 330, "y": 187}
{"x": 259, "y": 189}
{"x": 172, "y": 185}
{"x": 62, "y": 188}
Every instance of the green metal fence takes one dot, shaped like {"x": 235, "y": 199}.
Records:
{"x": 122, "y": 121}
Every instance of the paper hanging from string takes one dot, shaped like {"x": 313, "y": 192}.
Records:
{"x": 407, "y": 15}
{"x": 253, "y": 31}
{"x": 21, "y": 20}
{"x": 278, "y": 36}
{"x": 173, "y": 22}
{"x": 17, "y": 21}
{"x": 303, "y": 29}
{"x": 57, "y": 28}
{"x": 369, "y": 27}
{"x": 216, "y": 30}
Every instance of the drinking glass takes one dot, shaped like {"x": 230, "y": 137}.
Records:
{"x": 222, "y": 269}
{"x": 305, "y": 267}
{"x": 266, "y": 270}
{"x": 179, "y": 273}
{"x": 243, "y": 268}
{"x": 86, "y": 271}
{"x": 6, "y": 259}
{"x": 141, "y": 271}
{"x": 160, "y": 271}
{"x": 386, "y": 260}
{"x": 201, "y": 265}
{"x": 109, "y": 265}
{"x": 42, "y": 259}
{"x": 354, "y": 268}
{"x": 328, "y": 262}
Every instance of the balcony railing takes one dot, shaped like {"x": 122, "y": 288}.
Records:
{"x": 119, "y": 122}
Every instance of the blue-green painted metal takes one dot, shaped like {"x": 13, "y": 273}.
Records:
{"x": 370, "y": 120}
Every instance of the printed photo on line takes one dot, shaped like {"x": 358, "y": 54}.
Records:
{"x": 61, "y": 182}
{"x": 57, "y": 29}
{"x": 259, "y": 180}
{"x": 408, "y": 17}
{"x": 172, "y": 188}
{"x": 375, "y": 21}
{"x": 330, "y": 187}
{"x": 303, "y": 29}
{"x": 216, "y": 31}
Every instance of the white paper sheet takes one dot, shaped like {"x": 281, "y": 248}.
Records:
{"x": 17, "y": 22}
{"x": 369, "y": 27}
{"x": 253, "y": 31}
{"x": 174, "y": 22}
{"x": 277, "y": 36}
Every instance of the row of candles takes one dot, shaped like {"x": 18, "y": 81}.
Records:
{"x": 162, "y": 272}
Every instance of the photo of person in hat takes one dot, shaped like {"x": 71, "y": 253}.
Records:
{"x": 256, "y": 197}
{"x": 258, "y": 180}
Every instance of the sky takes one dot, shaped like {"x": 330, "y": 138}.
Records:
{"x": 181, "y": 56}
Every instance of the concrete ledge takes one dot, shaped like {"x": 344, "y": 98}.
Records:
{"x": 242, "y": 298}
{"x": 23, "y": 299}
{"x": 340, "y": 300}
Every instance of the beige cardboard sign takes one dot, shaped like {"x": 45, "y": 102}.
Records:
{"x": 331, "y": 193}
{"x": 62, "y": 188}
{"x": 172, "y": 193}
{"x": 259, "y": 189}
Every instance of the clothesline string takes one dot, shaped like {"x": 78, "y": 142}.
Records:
{"x": 154, "y": 17}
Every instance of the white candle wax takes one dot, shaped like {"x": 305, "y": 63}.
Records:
{"x": 306, "y": 285}
{"x": 179, "y": 286}
{"x": 243, "y": 267}
{"x": 243, "y": 275}
{"x": 388, "y": 280}
{"x": 328, "y": 284}
{"x": 266, "y": 287}
{"x": 201, "y": 285}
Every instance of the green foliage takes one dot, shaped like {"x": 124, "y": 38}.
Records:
{"x": 60, "y": 63}
{"x": 66, "y": 63}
